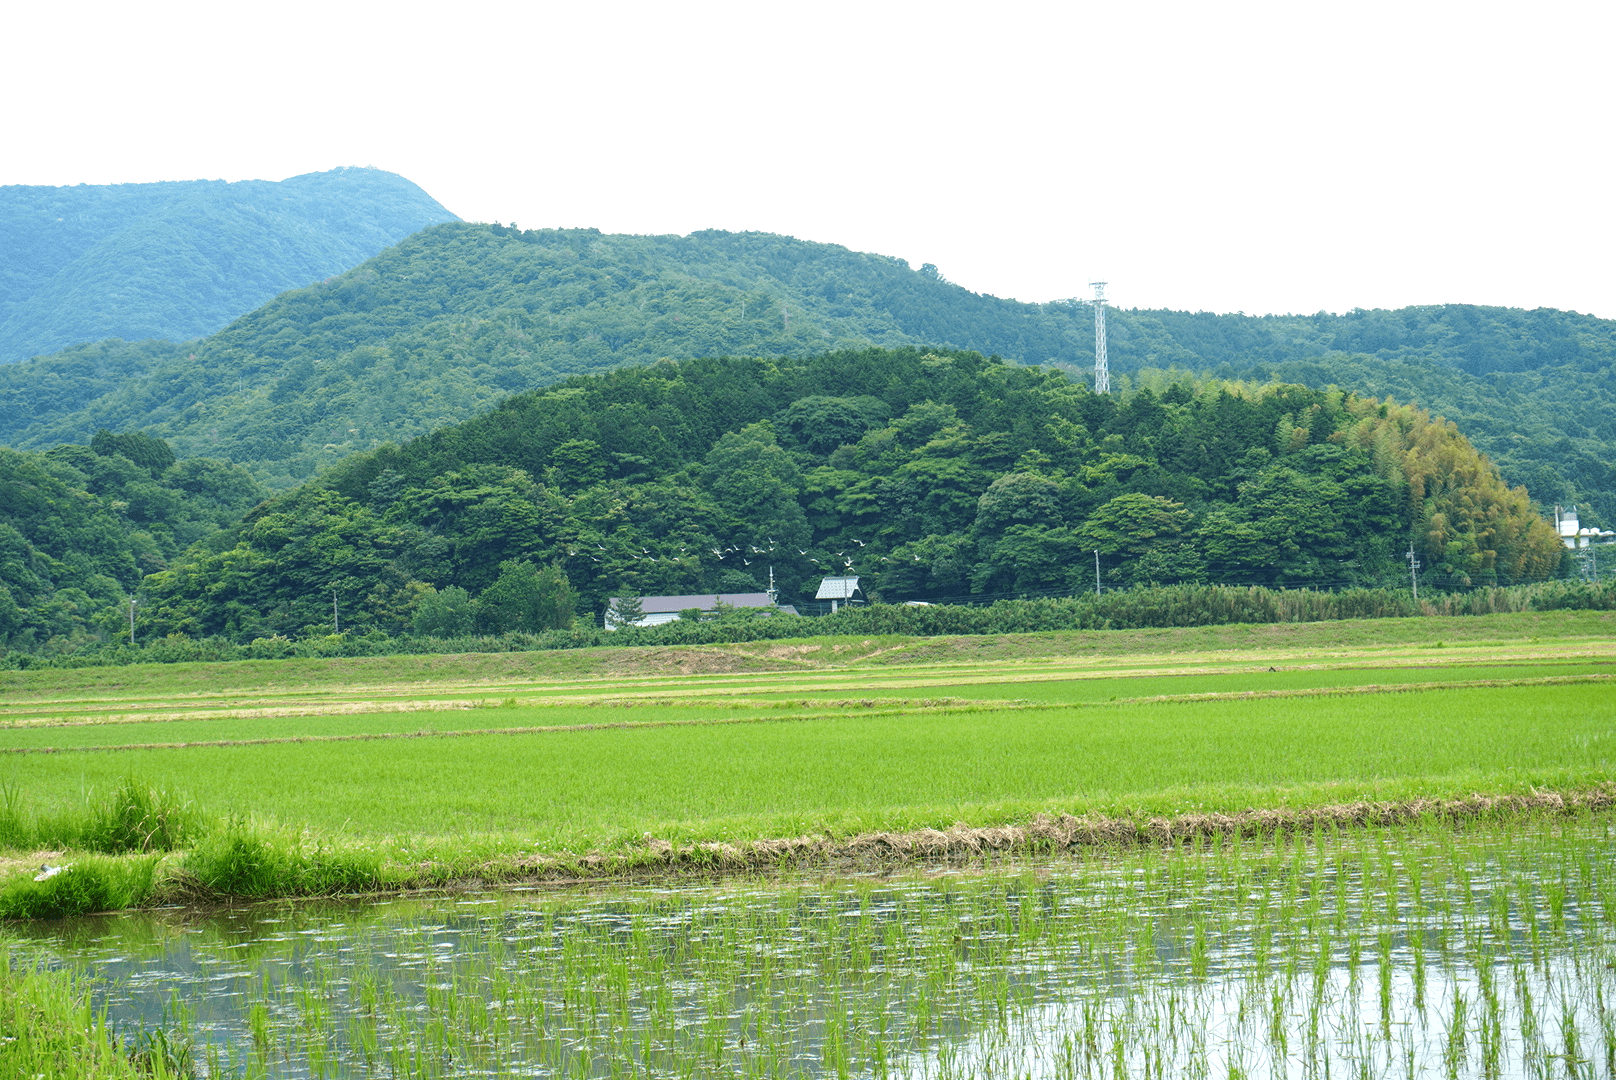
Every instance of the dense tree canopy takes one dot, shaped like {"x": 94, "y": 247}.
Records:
{"x": 929, "y": 473}
{"x": 439, "y": 328}
{"x": 80, "y": 526}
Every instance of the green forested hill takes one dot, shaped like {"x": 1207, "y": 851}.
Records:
{"x": 81, "y": 526}
{"x": 178, "y": 260}
{"x": 1534, "y": 390}
{"x": 442, "y": 326}
{"x": 446, "y": 323}
{"x": 928, "y": 473}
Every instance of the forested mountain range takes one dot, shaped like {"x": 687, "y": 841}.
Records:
{"x": 440, "y": 327}
{"x": 929, "y": 473}
{"x": 179, "y": 260}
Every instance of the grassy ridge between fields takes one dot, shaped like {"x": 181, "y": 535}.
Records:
{"x": 850, "y": 743}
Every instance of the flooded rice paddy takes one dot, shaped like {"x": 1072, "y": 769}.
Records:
{"x": 1485, "y": 952}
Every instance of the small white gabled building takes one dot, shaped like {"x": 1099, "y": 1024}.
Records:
{"x": 838, "y": 590}
{"x": 656, "y": 610}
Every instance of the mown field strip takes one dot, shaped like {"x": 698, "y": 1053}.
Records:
{"x": 454, "y": 695}
{"x": 969, "y": 683}
{"x": 1114, "y": 649}
{"x": 1082, "y": 684}
{"x": 448, "y": 675}
{"x": 336, "y": 708}
{"x": 776, "y": 714}
{"x": 549, "y": 729}
{"x": 436, "y": 716}
{"x": 1002, "y": 679}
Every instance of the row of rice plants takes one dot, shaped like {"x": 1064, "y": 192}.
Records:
{"x": 50, "y": 1030}
{"x": 1419, "y": 952}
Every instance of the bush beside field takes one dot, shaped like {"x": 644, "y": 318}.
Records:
{"x": 1133, "y": 609}
{"x": 119, "y": 843}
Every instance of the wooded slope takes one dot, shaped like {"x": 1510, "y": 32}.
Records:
{"x": 929, "y": 473}
{"x": 440, "y": 327}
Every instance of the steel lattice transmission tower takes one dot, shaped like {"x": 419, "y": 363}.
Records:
{"x": 1102, "y": 369}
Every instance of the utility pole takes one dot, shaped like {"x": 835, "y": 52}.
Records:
{"x": 1102, "y": 369}
{"x": 131, "y": 620}
{"x": 1413, "y": 570}
{"x": 336, "y": 623}
{"x": 1096, "y": 571}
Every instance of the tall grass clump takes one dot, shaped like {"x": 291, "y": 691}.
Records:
{"x": 16, "y": 830}
{"x": 133, "y": 817}
{"x": 90, "y": 883}
{"x": 250, "y": 862}
{"x": 139, "y": 817}
{"x": 113, "y": 856}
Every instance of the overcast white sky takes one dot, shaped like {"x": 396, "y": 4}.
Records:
{"x": 1258, "y": 157}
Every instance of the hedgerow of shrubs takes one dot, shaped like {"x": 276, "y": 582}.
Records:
{"x": 1131, "y": 609}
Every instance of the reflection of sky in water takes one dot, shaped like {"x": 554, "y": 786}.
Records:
{"x": 1224, "y": 1026}
{"x": 1122, "y": 984}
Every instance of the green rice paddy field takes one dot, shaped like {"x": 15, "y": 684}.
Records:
{"x": 513, "y": 755}
{"x": 1339, "y": 946}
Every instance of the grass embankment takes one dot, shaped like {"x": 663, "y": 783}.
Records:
{"x": 313, "y": 784}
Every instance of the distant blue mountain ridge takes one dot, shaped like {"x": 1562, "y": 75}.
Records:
{"x": 181, "y": 259}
